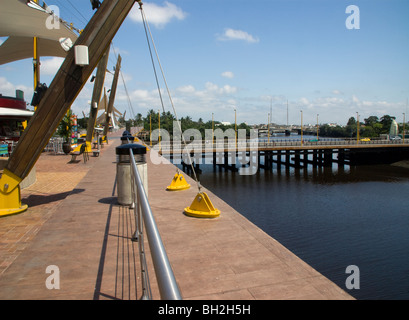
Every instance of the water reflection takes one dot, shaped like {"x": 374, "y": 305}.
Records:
{"x": 331, "y": 218}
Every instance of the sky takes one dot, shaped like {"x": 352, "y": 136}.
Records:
{"x": 219, "y": 56}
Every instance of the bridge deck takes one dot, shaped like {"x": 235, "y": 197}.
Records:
{"x": 168, "y": 149}
{"x": 74, "y": 223}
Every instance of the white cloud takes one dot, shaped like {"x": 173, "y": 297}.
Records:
{"x": 355, "y": 99}
{"x": 6, "y": 87}
{"x": 304, "y": 101}
{"x": 51, "y": 66}
{"x": 186, "y": 89}
{"x": 158, "y": 15}
{"x": 226, "y": 89}
{"x": 228, "y": 74}
{"x": 232, "y": 34}
{"x": 9, "y": 89}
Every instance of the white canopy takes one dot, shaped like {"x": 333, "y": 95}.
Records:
{"x": 103, "y": 105}
{"x": 9, "y": 112}
{"x": 18, "y": 48}
{"x": 21, "y": 20}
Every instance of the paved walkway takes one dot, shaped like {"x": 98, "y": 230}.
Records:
{"x": 75, "y": 224}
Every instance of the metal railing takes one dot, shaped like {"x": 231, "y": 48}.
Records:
{"x": 166, "y": 146}
{"x": 168, "y": 287}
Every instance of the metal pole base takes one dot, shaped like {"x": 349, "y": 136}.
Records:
{"x": 10, "y": 199}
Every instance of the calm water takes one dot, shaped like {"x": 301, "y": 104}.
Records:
{"x": 331, "y": 219}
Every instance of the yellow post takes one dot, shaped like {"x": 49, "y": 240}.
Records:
{"x": 36, "y": 62}
{"x": 150, "y": 130}
{"x": 159, "y": 128}
{"x": 301, "y": 128}
{"x": 212, "y": 129}
{"x": 235, "y": 125}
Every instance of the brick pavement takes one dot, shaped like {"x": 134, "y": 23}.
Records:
{"x": 56, "y": 178}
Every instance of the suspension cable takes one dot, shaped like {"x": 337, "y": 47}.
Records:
{"x": 147, "y": 29}
{"x": 145, "y": 25}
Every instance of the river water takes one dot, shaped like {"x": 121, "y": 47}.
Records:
{"x": 331, "y": 218}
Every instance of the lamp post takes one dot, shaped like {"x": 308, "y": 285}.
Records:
{"x": 212, "y": 128}
{"x": 268, "y": 128}
{"x": 301, "y": 128}
{"x": 159, "y": 127}
{"x": 317, "y": 127}
{"x": 235, "y": 125}
{"x": 357, "y": 128}
{"x": 403, "y": 133}
{"x": 150, "y": 130}
{"x": 36, "y": 62}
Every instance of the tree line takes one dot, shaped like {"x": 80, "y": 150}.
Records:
{"x": 166, "y": 119}
{"x": 372, "y": 127}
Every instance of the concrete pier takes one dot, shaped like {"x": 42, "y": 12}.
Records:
{"x": 75, "y": 224}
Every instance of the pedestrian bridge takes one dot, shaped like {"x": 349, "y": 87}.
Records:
{"x": 288, "y": 153}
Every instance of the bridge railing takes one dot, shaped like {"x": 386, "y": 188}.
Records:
{"x": 168, "y": 287}
{"x": 241, "y": 144}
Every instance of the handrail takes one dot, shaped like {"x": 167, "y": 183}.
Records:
{"x": 168, "y": 287}
{"x": 168, "y": 145}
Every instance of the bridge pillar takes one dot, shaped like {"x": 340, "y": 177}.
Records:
{"x": 328, "y": 157}
{"x": 320, "y": 154}
{"x": 315, "y": 157}
{"x": 297, "y": 159}
{"x": 341, "y": 158}
{"x": 269, "y": 160}
{"x": 279, "y": 159}
{"x": 287, "y": 158}
{"x": 305, "y": 158}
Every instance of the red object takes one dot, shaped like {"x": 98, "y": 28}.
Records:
{"x": 13, "y": 103}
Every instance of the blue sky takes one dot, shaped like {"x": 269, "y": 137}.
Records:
{"x": 224, "y": 54}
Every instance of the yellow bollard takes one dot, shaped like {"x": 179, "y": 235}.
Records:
{"x": 10, "y": 198}
{"x": 178, "y": 183}
{"x": 202, "y": 207}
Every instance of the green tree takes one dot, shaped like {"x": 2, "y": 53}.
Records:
{"x": 351, "y": 121}
{"x": 371, "y": 121}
